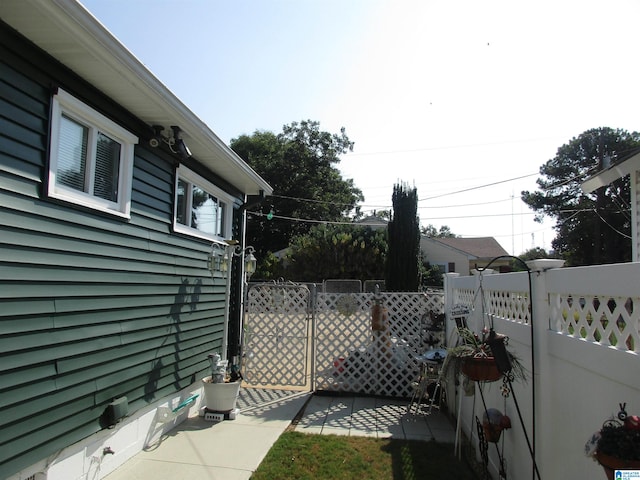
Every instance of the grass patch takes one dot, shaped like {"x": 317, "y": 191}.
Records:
{"x": 300, "y": 456}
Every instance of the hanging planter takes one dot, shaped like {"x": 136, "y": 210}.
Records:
{"x": 484, "y": 359}
{"x": 610, "y": 464}
{"x": 617, "y": 445}
{"x": 480, "y": 369}
{"x": 493, "y": 423}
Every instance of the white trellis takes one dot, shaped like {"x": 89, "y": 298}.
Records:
{"x": 351, "y": 356}
{"x": 348, "y": 355}
{"x": 276, "y": 339}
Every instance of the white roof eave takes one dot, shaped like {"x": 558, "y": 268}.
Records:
{"x": 611, "y": 174}
{"x": 70, "y": 33}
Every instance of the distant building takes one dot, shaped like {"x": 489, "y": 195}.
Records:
{"x": 373, "y": 221}
{"x": 461, "y": 255}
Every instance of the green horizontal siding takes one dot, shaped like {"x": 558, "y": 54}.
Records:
{"x": 92, "y": 307}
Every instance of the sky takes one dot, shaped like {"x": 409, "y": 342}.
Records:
{"x": 464, "y": 100}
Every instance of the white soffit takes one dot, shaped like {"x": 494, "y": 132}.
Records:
{"x": 611, "y": 174}
{"x": 72, "y": 35}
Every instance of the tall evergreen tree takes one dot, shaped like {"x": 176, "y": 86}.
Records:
{"x": 401, "y": 271}
{"x": 592, "y": 228}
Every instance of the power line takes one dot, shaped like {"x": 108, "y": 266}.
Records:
{"x": 478, "y": 187}
{"x": 624, "y": 235}
{"x": 325, "y": 202}
{"x": 569, "y": 180}
{"x": 469, "y": 204}
{"x": 344, "y": 222}
{"x": 478, "y": 216}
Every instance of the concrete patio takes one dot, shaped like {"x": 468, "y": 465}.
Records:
{"x": 233, "y": 449}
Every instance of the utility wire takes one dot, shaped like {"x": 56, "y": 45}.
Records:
{"x": 569, "y": 180}
{"x": 325, "y": 202}
{"x": 478, "y": 187}
{"x": 611, "y": 226}
{"x": 344, "y": 222}
{"x": 469, "y": 204}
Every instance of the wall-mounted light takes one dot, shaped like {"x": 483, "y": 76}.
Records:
{"x": 173, "y": 139}
{"x": 215, "y": 259}
{"x": 250, "y": 261}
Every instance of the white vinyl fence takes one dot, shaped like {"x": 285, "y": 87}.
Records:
{"x": 580, "y": 343}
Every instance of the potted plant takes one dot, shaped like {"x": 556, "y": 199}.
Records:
{"x": 486, "y": 358}
{"x": 222, "y": 388}
{"x": 493, "y": 423}
{"x": 616, "y": 446}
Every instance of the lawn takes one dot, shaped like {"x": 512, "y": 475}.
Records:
{"x": 330, "y": 457}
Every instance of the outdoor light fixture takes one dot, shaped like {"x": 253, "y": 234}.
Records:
{"x": 215, "y": 259}
{"x": 173, "y": 139}
{"x": 250, "y": 261}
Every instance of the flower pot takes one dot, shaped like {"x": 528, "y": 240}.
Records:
{"x": 610, "y": 464}
{"x": 220, "y": 397}
{"x": 492, "y": 432}
{"x": 481, "y": 369}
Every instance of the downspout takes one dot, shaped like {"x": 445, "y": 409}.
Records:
{"x": 227, "y": 294}
{"x": 236, "y": 315}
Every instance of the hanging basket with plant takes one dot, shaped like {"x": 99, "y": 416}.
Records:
{"x": 484, "y": 359}
{"x": 616, "y": 446}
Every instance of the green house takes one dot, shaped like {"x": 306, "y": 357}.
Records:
{"x": 116, "y": 206}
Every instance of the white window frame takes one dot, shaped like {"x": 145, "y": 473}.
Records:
{"x": 189, "y": 176}
{"x": 66, "y": 104}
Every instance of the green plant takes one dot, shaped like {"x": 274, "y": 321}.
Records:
{"x": 472, "y": 346}
{"x": 619, "y": 437}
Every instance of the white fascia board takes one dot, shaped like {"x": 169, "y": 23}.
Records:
{"x": 611, "y": 174}
{"x": 75, "y": 23}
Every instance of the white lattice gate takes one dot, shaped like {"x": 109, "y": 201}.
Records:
{"x": 282, "y": 329}
{"x": 353, "y": 355}
{"x": 276, "y": 336}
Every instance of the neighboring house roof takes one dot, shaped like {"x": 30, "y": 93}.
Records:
{"x": 480, "y": 247}
{"x": 623, "y": 166}
{"x": 71, "y": 34}
{"x": 373, "y": 221}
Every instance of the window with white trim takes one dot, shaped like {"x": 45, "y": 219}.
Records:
{"x": 91, "y": 160}
{"x": 201, "y": 209}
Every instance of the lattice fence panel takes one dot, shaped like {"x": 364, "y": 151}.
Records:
{"x": 276, "y": 335}
{"x": 464, "y": 296}
{"x": 352, "y": 357}
{"x": 510, "y": 305}
{"x": 611, "y": 321}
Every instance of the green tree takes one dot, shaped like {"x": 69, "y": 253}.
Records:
{"x": 430, "y": 275}
{"x": 591, "y": 228}
{"x": 337, "y": 251}
{"x": 431, "y": 231}
{"x": 299, "y": 164}
{"x": 401, "y": 271}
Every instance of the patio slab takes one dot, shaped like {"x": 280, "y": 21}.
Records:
{"x": 375, "y": 417}
{"x": 233, "y": 449}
